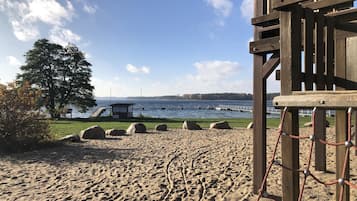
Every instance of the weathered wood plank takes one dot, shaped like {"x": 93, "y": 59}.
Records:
{"x": 320, "y": 53}
{"x": 259, "y": 112}
{"x": 280, "y": 5}
{"x": 320, "y": 117}
{"x": 320, "y": 133}
{"x": 344, "y": 15}
{"x": 329, "y": 58}
{"x": 270, "y": 65}
{"x": 266, "y": 20}
{"x": 323, "y": 4}
{"x": 350, "y": 27}
{"x": 320, "y": 100}
{"x": 341, "y": 120}
{"x": 270, "y": 31}
{"x": 290, "y": 66}
{"x": 351, "y": 71}
{"x": 265, "y": 46}
{"x": 308, "y": 48}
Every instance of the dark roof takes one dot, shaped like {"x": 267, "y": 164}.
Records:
{"x": 122, "y": 104}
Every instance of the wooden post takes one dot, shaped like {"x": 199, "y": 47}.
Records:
{"x": 320, "y": 118}
{"x": 259, "y": 113}
{"x": 290, "y": 58}
{"x": 351, "y": 71}
{"x": 341, "y": 120}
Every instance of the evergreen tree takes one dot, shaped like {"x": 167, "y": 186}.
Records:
{"x": 62, "y": 73}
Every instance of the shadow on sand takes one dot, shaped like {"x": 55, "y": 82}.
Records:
{"x": 70, "y": 153}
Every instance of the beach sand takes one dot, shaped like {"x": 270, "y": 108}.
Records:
{"x": 173, "y": 165}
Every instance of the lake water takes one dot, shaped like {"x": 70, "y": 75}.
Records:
{"x": 176, "y": 108}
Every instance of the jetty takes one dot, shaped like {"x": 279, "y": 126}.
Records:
{"x": 270, "y": 110}
{"x": 98, "y": 112}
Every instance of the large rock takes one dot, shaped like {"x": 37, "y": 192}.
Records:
{"x": 71, "y": 138}
{"x": 94, "y": 132}
{"x": 161, "y": 127}
{"x": 190, "y": 125}
{"x": 115, "y": 132}
{"x": 136, "y": 128}
{"x": 219, "y": 125}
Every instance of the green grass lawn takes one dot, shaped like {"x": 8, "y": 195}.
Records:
{"x": 60, "y": 128}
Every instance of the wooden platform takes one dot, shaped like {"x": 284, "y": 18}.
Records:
{"x": 321, "y": 99}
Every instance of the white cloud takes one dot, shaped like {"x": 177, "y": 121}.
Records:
{"x": 13, "y": 61}
{"x": 247, "y": 9}
{"x": 133, "y": 69}
{"x": 222, "y": 7}
{"x": 214, "y": 77}
{"x": 91, "y": 9}
{"x": 212, "y": 71}
{"x": 63, "y": 36}
{"x": 24, "y": 31}
{"x": 49, "y": 12}
{"x": 24, "y": 16}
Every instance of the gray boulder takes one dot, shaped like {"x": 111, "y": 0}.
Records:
{"x": 220, "y": 125}
{"x": 94, "y": 132}
{"x": 136, "y": 128}
{"x": 190, "y": 125}
{"x": 115, "y": 132}
{"x": 71, "y": 138}
{"x": 161, "y": 127}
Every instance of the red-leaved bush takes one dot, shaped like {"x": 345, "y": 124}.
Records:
{"x": 21, "y": 127}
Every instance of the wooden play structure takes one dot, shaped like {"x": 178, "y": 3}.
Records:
{"x": 315, "y": 44}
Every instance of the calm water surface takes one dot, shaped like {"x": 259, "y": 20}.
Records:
{"x": 176, "y": 108}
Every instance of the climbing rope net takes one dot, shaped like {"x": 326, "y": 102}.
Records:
{"x": 342, "y": 181}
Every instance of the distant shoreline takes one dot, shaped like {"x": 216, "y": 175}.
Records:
{"x": 209, "y": 96}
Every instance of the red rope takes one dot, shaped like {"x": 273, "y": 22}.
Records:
{"x": 307, "y": 171}
{"x": 351, "y": 185}
{"x": 274, "y": 153}
{"x": 342, "y": 181}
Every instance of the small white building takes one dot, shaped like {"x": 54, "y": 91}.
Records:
{"x": 122, "y": 110}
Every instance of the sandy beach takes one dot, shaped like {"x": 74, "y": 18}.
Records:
{"x": 173, "y": 165}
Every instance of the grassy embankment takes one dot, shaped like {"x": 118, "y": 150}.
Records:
{"x": 61, "y": 128}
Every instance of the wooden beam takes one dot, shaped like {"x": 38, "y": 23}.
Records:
{"x": 341, "y": 120}
{"x": 281, "y": 5}
{"x": 323, "y": 4}
{"x": 259, "y": 112}
{"x": 324, "y": 99}
{"x": 350, "y": 27}
{"x": 351, "y": 59}
{"x": 344, "y": 16}
{"x": 265, "y": 46}
{"x": 320, "y": 116}
{"x": 270, "y": 65}
{"x": 266, "y": 20}
{"x": 329, "y": 52}
{"x": 320, "y": 53}
{"x": 290, "y": 67}
{"x": 309, "y": 26}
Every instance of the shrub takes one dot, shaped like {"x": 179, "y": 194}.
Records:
{"x": 21, "y": 127}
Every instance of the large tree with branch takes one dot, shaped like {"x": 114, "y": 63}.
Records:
{"x": 62, "y": 73}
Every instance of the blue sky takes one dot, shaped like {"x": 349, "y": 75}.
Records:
{"x": 159, "y": 47}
